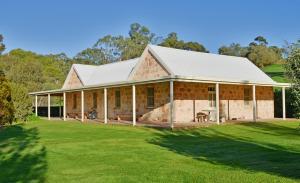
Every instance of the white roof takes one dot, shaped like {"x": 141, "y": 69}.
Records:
{"x": 209, "y": 66}
{"x": 181, "y": 63}
{"x": 108, "y": 73}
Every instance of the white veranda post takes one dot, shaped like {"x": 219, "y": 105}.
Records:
{"x": 105, "y": 105}
{"x": 133, "y": 106}
{"x": 64, "y": 107}
{"x": 283, "y": 104}
{"x": 36, "y": 105}
{"x": 254, "y": 102}
{"x": 49, "y": 106}
{"x": 218, "y": 103}
{"x": 82, "y": 105}
{"x": 172, "y": 104}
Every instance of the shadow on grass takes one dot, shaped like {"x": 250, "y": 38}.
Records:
{"x": 272, "y": 129}
{"x": 22, "y": 158}
{"x": 219, "y": 148}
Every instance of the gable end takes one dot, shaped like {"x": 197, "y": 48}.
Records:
{"x": 72, "y": 80}
{"x": 148, "y": 68}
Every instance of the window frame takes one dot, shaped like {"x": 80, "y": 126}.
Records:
{"x": 95, "y": 99}
{"x": 118, "y": 98}
{"x": 74, "y": 100}
{"x": 247, "y": 96}
{"x": 150, "y": 98}
{"x": 211, "y": 96}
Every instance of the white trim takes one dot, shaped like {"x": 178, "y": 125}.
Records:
{"x": 65, "y": 106}
{"x": 172, "y": 104}
{"x": 82, "y": 106}
{"x": 254, "y": 102}
{"x": 36, "y": 107}
{"x": 162, "y": 79}
{"x": 49, "y": 107}
{"x": 105, "y": 105}
{"x": 218, "y": 103}
{"x": 133, "y": 106}
{"x": 283, "y": 104}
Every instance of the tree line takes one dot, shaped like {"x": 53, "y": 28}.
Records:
{"x": 24, "y": 71}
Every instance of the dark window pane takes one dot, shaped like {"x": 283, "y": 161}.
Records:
{"x": 117, "y": 98}
{"x": 150, "y": 97}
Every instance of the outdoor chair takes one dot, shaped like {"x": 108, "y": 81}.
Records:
{"x": 201, "y": 116}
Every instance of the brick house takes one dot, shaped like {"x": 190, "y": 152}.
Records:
{"x": 170, "y": 86}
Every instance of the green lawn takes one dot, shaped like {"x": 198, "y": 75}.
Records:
{"x": 276, "y": 72}
{"x": 59, "y": 151}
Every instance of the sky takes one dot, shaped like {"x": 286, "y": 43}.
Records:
{"x": 56, "y": 26}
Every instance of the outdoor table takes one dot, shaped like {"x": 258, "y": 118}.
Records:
{"x": 210, "y": 111}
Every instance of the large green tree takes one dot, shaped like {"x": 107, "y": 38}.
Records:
{"x": 116, "y": 48}
{"x": 6, "y": 103}
{"x": 292, "y": 67}
{"x": 257, "y": 51}
{"x": 172, "y": 41}
{"x": 234, "y": 49}
{"x": 92, "y": 56}
{"x": 27, "y": 72}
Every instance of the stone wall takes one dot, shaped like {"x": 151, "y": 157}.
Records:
{"x": 191, "y": 98}
{"x": 160, "y": 111}
{"x": 149, "y": 68}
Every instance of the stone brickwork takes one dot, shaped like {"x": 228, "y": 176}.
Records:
{"x": 149, "y": 68}
{"x": 73, "y": 82}
{"x": 191, "y": 98}
{"x": 160, "y": 111}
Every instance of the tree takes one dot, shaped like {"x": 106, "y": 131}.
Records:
{"x": 116, "y": 48}
{"x": 258, "y": 52}
{"x": 261, "y": 40}
{"x": 92, "y": 56}
{"x": 2, "y": 46}
{"x": 289, "y": 47}
{"x": 262, "y": 56}
{"x": 292, "y": 68}
{"x": 6, "y": 103}
{"x": 234, "y": 49}
{"x": 173, "y": 42}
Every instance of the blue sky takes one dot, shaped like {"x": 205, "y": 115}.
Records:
{"x": 56, "y": 26}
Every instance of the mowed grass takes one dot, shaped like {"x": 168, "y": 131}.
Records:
{"x": 276, "y": 72}
{"x": 56, "y": 151}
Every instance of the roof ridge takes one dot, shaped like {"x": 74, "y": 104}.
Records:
{"x": 116, "y": 62}
{"x": 198, "y": 52}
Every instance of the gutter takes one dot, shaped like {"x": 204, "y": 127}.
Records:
{"x": 162, "y": 79}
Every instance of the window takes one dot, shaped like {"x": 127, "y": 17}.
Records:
{"x": 247, "y": 96}
{"x": 212, "y": 96}
{"x": 150, "y": 97}
{"x": 95, "y": 100}
{"x": 117, "y": 99}
{"x": 74, "y": 101}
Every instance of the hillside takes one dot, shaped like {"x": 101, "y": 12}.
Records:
{"x": 276, "y": 72}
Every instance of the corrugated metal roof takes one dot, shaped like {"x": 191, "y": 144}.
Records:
{"x": 210, "y": 66}
{"x": 205, "y": 66}
{"x": 108, "y": 73}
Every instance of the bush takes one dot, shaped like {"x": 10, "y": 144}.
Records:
{"x": 6, "y": 104}
{"x": 22, "y": 102}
